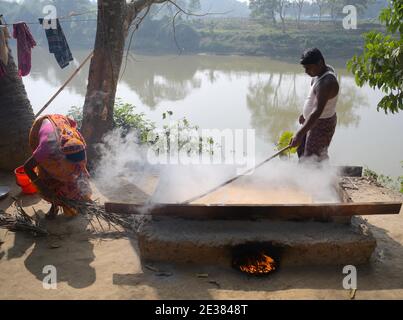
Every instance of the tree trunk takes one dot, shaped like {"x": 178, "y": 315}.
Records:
{"x": 282, "y": 15}
{"x": 320, "y": 14}
{"x": 299, "y": 15}
{"x": 16, "y": 118}
{"x": 104, "y": 72}
{"x": 273, "y": 16}
{"x": 282, "y": 25}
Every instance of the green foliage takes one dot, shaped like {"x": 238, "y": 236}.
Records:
{"x": 283, "y": 142}
{"x": 124, "y": 117}
{"x": 383, "y": 180}
{"x": 76, "y": 113}
{"x": 381, "y": 64}
{"x": 185, "y": 135}
{"x": 181, "y": 131}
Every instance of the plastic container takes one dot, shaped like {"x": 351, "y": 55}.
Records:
{"x": 24, "y": 181}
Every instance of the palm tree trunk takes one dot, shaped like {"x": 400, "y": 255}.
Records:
{"x": 16, "y": 118}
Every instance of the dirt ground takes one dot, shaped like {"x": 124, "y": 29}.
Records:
{"x": 107, "y": 265}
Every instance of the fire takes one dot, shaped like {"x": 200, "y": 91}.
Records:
{"x": 259, "y": 265}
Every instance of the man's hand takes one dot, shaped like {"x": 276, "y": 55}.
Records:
{"x": 301, "y": 119}
{"x": 296, "y": 140}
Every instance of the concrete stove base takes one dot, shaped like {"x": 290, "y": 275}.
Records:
{"x": 213, "y": 242}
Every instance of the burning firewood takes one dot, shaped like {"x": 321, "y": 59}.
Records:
{"x": 257, "y": 265}
{"x": 254, "y": 260}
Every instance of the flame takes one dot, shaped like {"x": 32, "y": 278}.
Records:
{"x": 263, "y": 264}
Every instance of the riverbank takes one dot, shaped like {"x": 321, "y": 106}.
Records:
{"x": 232, "y": 36}
{"x": 249, "y": 37}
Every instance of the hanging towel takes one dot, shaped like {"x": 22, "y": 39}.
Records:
{"x": 4, "y": 36}
{"x": 25, "y": 42}
{"x": 58, "y": 45}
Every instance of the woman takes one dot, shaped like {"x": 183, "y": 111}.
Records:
{"x": 58, "y": 163}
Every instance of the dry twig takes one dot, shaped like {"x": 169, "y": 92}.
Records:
{"x": 93, "y": 210}
{"x": 21, "y": 221}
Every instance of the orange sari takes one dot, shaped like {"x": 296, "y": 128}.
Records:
{"x": 64, "y": 178}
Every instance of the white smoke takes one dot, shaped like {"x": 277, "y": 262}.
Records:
{"x": 125, "y": 175}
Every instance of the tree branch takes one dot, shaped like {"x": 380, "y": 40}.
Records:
{"x": 194, "y": 14}
{"x": 136, "y": 6}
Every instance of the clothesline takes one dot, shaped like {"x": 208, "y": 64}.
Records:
{"x": 35, "y": 23}
{"x": 25, "y": 43}
{"x": 61, "y": 19}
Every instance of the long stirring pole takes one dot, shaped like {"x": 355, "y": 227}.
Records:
{"x": 237, "y": 177}
{"x": 64, "y": 85}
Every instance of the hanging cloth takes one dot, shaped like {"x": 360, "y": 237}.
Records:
{"x": 58, "y": 44}
{"x": 25, "y": 42}
{"x": 4, "y": 36}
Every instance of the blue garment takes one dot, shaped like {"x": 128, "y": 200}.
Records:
{"x": 58, "y": 45}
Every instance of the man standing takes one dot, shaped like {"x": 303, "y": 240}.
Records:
{"x": 319, "y": 118}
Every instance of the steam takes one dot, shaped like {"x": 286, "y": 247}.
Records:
{"x": 125, "y": 175}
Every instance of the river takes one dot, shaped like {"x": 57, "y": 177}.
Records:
{"x": 238, "y": 93}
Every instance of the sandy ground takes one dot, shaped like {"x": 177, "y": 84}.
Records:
{"x": 107, "y": 266}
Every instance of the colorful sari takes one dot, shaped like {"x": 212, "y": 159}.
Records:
{"x": 64, "y": 178}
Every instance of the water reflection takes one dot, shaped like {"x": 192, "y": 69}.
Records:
{"x": 276, "y": 101}
{"x": 158, "y": 80}
{"x": 275, "y": 91}
{"x": 350, "y": 102}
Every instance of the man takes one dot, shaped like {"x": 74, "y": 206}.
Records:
{"x": 58, "y": 164}
{"x": 319, "y": 117}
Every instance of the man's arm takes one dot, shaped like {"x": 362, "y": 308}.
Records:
{"x": 324, "y": 92}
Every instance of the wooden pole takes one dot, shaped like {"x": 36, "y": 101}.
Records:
{"x": 237, "y": 177}
{"x": 247, "y": 211}
{"x": 64, "y": 85}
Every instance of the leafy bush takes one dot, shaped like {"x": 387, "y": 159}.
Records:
{"x": 284, "y": 141}
{"x": 124, "y": 117}
{"x": 381, "y": 64}
{"x": 383, "y": 180}
{"x": 180, "y": 131}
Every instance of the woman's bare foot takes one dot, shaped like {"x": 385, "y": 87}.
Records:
{"x": 52, "y": 213}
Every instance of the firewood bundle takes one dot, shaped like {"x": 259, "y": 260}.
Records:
{"x": 21, "y": 221}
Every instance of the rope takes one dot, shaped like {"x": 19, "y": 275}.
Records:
{"x": 61, "y": 19}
